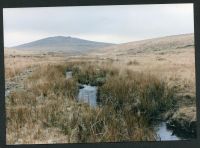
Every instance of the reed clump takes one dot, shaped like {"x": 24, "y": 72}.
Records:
{"x": 129, "y": 101}
{"x": 138, "y": 93}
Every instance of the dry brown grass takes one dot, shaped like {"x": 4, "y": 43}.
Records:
{"x": 46, "y": 111}
{"x": 176, "y": 66}
{"x": 17, "y": 61}
{"x": 48, "y": 103}
{"x": 37, "y": 107}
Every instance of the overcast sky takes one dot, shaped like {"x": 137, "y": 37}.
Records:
{"x": 115, "y": 24}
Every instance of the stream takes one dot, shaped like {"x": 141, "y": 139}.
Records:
{"x": 88, "y": 94}
{"x": 165, "y": 134}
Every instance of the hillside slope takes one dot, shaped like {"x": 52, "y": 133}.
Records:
{"x": 151, "y": 45}
{"x": 62, "y": 44}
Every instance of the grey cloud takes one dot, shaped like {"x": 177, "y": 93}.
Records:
{"x": 133, "y": 21}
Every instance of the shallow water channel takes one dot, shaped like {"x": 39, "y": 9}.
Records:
{"x": 88, "y": 94}
{"x": 68, "y": 74}
{"x": 165, "y": 134}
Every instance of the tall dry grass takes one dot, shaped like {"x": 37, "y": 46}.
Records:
{"x": 130, "y": 100}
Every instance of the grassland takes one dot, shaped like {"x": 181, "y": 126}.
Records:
{"x": 134, "y": 90}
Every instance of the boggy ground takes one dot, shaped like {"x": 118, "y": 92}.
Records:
{"x": 46, "y": 110}
{"x": 176, "y": 65}
{"x": 134, "y": 90}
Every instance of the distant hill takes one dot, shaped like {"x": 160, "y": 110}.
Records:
{"x": 151, "y": 45}
{"x": 71, "y": 45}
{"x": 62, "y": 44}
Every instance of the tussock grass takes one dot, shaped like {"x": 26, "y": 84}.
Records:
{"x": 138, "y": 93}
{"x": 89, "y": 74}
{"x": 130, "y": 100}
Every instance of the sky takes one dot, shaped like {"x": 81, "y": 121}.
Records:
{"x": 112, "y": 24}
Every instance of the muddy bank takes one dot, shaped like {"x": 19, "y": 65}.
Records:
{"x": 183, "y": 122}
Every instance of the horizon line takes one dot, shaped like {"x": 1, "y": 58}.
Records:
{"x": 97, "y": 41}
